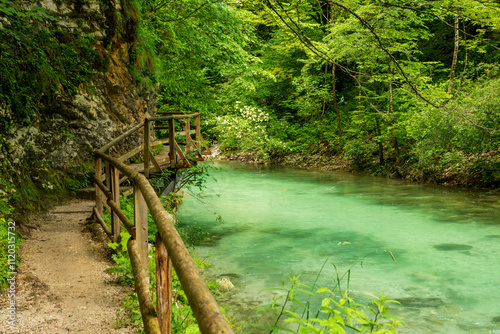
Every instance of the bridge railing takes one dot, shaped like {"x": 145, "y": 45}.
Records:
{"x": 170, "y": 249}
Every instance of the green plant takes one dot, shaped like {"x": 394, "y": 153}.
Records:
{"x": 122, "y": 260}
{"x": 39, "y": 60}
{"x": 360, "y": 153}
{"x": 338, "y": 312}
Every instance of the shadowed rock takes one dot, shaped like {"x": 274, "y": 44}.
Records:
{"x": 420, "y": 302}
{"x": 452, "y": 247}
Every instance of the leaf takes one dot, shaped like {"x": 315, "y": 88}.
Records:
{"x": 322, "y": 290}
{"x": 192, "y": 329}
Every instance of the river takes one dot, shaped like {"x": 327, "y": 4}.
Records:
{"x": 279, "y": 222}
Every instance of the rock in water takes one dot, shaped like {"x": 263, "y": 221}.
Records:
{"x": 224, "y": 283}
{"x": 452, "y": 247}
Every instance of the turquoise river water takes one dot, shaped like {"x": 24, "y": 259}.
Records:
{"x": 280, "y": 221}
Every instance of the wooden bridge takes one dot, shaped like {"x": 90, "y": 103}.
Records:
{"x": 178, "y": 150}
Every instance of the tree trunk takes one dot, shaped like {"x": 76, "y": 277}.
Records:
{"x": 380, "y": 145}
{"x": 360, "y": 105}
{"x": 391, "y": 111}
{"x": 455, "y": 55}
{"x": 324, "y": 98}
{"x": 334, "y": 89}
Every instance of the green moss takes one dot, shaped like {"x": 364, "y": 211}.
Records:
{"x": 36, "y": 61}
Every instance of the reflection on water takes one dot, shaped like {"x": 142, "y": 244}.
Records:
{"x": 279, "y": 222}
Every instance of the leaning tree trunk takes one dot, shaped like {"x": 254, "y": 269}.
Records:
{"x": 391, "y": 111}
{"x": 455, "y": 55}
{"x": 334, "y": 89}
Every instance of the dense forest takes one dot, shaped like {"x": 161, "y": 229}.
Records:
{"x": 405, "y": 89}
{"x": 408, "y": 89}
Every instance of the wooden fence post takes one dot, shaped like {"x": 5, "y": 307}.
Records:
{"x": 187, "y": 130}
{"x": 171, "y": 142}
{"x": 198, "y": 128}
{"x": 163, "y": 286}
{"x": 141, "y": 228}
{"x": 115, "y": 191}
{"x": 147, "y": 144}
{"x": 98, "y": 193}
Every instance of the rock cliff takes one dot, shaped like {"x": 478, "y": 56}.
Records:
{"x": 76, "y": 92}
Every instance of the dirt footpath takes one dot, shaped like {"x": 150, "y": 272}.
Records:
{"x": 62, "y": 286}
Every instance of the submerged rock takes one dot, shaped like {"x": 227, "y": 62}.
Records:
{"x": 420, "y": 302}
{"x": 452, "y": 247}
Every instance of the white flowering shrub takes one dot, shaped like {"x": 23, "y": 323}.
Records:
{"x": 243, "y": 131}
{"x": 248, "y": 130}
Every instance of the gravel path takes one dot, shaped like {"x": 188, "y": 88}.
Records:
{"x": 62, "y": 286}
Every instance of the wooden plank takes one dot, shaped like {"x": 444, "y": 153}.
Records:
{"x": 178, "y": 149}
{"x": 141, "y": 227}
{"x": 187, "y": 128}
{"x": 155, "y": 163}
{"x": 166, "y": 118}
{"x": 98, "y": 193}
{"x": 198, "y": 128}
{"x": 107, "y": 171}
{"x": 163, "y": 286}
{"x": 123, "y": 179}
{"x": 113, "y": 207}
{"x": 171, "y": 140}
{"x": 197, "y": 147}
{"x": 103, "y": 224}
{"x": 116, "y": 227}
{"x": 169, "y": 113}
{"x": 140, "y": 148}
{"x": 180, "y": 166}
{"x": 147, "y": 147}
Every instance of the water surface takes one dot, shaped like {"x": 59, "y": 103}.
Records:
{"x": 281, "y": 221}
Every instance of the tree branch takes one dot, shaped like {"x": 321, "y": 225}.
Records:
{"x": 382, "y": 46}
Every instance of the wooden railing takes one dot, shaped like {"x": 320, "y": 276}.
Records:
{"x": 170, "y": 249}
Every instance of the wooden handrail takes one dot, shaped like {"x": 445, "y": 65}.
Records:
{"x": 138, "y": 126}
{"x": 116, "y": 209}
{"x": 166, "y": 118}
{"x": 121, "y": 137}
{"x": 205, "y": 309}
{"x": 148, "y": 312}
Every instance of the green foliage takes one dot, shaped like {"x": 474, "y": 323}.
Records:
{"x": 122, "y": 260}
{"x": 130, "y": 313}
{"x": 338, "y": 312}
{"x": 183, "y": 320}
{"x": 461, "y": 138}
{"x": 199, "y": 45}
{"x": 360, "y": 153}
{"x": 37, "y": 61}
{"x": 362, "y": 79}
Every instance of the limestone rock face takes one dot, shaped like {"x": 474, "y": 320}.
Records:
{"x": 67, "y": 128}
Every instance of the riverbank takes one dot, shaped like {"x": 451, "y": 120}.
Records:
{"x": 470, "y": 171}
